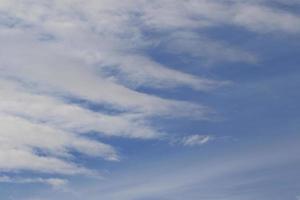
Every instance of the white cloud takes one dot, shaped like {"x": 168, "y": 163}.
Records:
{"x": 156, "y": 75}
{"x": 212, "y": 177}
{"x": 195, "y": 46}
{"x": 39, "y": 129}
{"x": 60, "y": 114}
{"x": 252, "y": 15}
{"x": 264, "y": 19}
{"x": 54, "y": 182}
{"x": 96, "y": 51}
{"x": 54, "y": 71}
{"x": 208, "y": 174}
{"x": 195, "y": 140}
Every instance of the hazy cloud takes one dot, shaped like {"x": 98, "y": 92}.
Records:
{"x": 56, "y": 52}
{"x": 54, "y": 182}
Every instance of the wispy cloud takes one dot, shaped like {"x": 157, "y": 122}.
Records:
{"x": 209, "y": 178}
{"x": 96, "y": 52}
{"x": 194, "y": 46}
{"x": 54, "y": 182}
{"x": 195, "y": 140}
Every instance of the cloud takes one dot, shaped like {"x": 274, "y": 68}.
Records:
{"x": 97, "y": 52}
{"x": 54, "y": 182}
{"x": 57, "y": 53}
{"x": 195, "y": 140}
{"x": 255, "y": 15}
{"x": 155, "y": 75}
{"x": 56, "y": 72}
{"x": 220, "y": 177}
{"x": 64, "y": 115}
{"x": 264, "y": 19}
{"x": 194, "y": 46}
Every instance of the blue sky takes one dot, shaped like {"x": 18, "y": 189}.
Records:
{"x": 149, "y": 100}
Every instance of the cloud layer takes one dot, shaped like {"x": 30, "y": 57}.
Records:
{"x": 59, "y": 57}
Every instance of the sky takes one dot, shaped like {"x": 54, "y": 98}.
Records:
{"x": 149, "y": 100}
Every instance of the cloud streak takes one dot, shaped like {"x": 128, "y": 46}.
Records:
{"x": 195, "y": 140}
{"x": 54, "y": 182}
{"x": 97, "y": 52}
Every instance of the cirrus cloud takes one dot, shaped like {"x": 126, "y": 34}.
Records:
{"x": 96, "y": 52}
